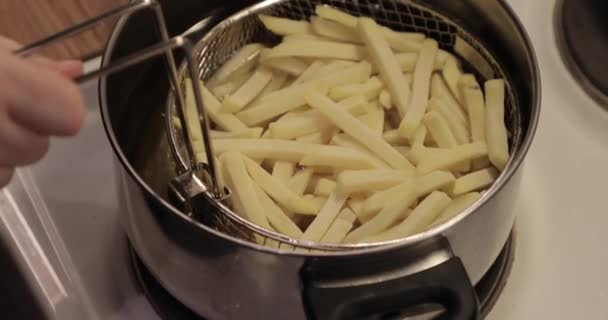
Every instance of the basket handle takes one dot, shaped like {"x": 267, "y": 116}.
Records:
{"x": 364, "y": 294}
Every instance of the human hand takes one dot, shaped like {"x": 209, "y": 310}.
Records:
{"x": 38, "y": 99}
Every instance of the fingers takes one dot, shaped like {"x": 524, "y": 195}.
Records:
{"x": 40, "y": 99}
{"x": 20, "y": 146}
{"x": 6, "y": 173}
{"x": 8, "y": 44}
{"x": 68, "y": 68}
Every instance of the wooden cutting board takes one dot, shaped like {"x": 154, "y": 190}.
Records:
{"x": 30, "y": 20}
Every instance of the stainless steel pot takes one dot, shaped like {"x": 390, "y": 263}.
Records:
{"x": 221, "y": 277}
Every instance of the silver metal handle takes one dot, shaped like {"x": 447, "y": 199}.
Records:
{"x": 166, "y": 47}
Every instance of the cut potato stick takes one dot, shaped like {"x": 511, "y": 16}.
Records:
{"x": 347, "y": 159}
{"x": 475, "y": 107}
{"x": 243, "y": 190}
{"x": 408, "y": 60}
{"x": 370, "y": 90}
{"x": 496, "y": 131}
{"x": 351, "y": 181}
{"x": 325, "y": 217}
{"x": 312, "y": 122}
{"x": 474, "y": 181}
{"x": 340, "y": 227}
{"x": 309, "y": 72}
{"x": 439, "y": 129}
{"x": 357, "y": 130}
{"x": 421, "y": 88}
{"x": 324, "y": 187}
{"x": 317, "y": 201}
{"x": 225, "y": 89}
{"x": 345, "y": 140}
{"x": 283, "y": 170}
{"x": 374, "y": 119}
{"x": 334, "y": 30}
{"x": 423, "y": 186}
{"x": 419, "y": 219}
{"x": 316, "y": 138}
{"x": 387, "y": 63}
{"x": 248, "y": 91}
{"x": 386, "y": 217}
{"x": 457, "y": 126}
{"x": 449, "y": 158}
{"x": 300, "y": 180}
{"x": 251, "y": 133}
{"x": 355, "y": 203}
{"x": 394, "y": 138}
{"x": 290, "y": 65}
{"x": 277, "y": 190}
{"x": 317, "y": 49}
{"x": 458, "y": 205}
{"x": 329, "y": 68}
{"x": 291, "y": 98}
{"x": 285, "y": 27}
{"x": 336, "y": 15}
{"x": 244, "y": 58}
{"x": 226, "y": 122}
{"x": 277, "y": 218}
{"x": 401, "y": 42}
{"x": 277, "y": 82}
{"x": 451, "y": 74}
{"x": 441, "y": 91}
{"x": 385, "y": 99}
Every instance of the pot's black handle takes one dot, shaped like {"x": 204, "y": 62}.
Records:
{"x": 446, "y": 284}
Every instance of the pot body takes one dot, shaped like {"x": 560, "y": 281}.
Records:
{"x": 225, "y": 278}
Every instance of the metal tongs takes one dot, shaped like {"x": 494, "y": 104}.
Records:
{"x": 193, "y": 178}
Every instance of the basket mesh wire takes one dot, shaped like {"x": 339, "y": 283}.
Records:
{"x": 400, "y": 15}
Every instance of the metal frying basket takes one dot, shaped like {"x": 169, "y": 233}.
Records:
{"x": 244, "y": 27}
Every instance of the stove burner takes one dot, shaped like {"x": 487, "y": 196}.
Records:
{"x": 488, "y": 289}
{"x": 581, "y": 32}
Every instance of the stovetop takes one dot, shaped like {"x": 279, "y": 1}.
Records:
{"x": 61, "y": 220}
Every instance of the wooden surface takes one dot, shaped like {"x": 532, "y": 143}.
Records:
{"x": 30, "y": 20}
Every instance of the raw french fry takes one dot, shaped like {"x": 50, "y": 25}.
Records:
{"x": 422, "y": 216}
{"x": 317, "y": 49}
{"x": 226, "y": 122}
{"x": 300, "y": 180}
{"x": 288, "y": 99}
{"x": 408, "y": 60}
{"x": 277, "y": 218}
{"x": 277, "y": 82}
{"x": 289, "y": 65}
{"x": 312, "y": 122}
{"x": 340, "y": 227}
{"x": 329, "y": 68}
{"x": 351, "y": 181}
{"x": 386, "y": 217}
{"x": 449, "y": 158}
{"x": 423, "y": 186}
{"x": 306, "y": 36}
{"x": 347, "y": 159}
{"x": 374, "y": 119}
{"x": 317, "y": 201}
{"x": 310, "y": 71}
{"x": 248, "y": 91}
{"x": 475, "y": 106}
{"x": 387, "y": 63}
{"x": 370, "y": 90}
{"x": 284, "y": 27}
{"x": 277, "y": 190}
{"x": 225, "y": 89}
{"x": 244, "y": 58}
{"x": 401, "y": 42}
{"x": 404, "y": 150}
{"x": 334, "y": 30}
{"x": 347, "y": 141}
{"x": 325, "y": 217}
{"x": 283, "y": 170}
{"x": 336, "y": 15}
{"x": 457, "y": 125}
{"x": 496, "y": 131}
{"x": 420, "y": 92}
{"x": 458, "y": 205}
{"x": 243, "y": 190}
{"x": 385, "y": 99}
{"x": 355, "y": 203}
{"x": 316, "y": 138}
{"x": 474, "y": 181}
{"x": 357, "y": 130}
{"x": 271, "y": 148}
{"x": 251, "y": 133}
{"x": 394, "y": 138}
{"x": 324, "y": 187}
{"x": 451, "y": 74}
{"x": 440, "y": 90}
{"x": 439, "y": 128}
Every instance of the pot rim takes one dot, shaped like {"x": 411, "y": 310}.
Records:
{"x": 512, "y": 167}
